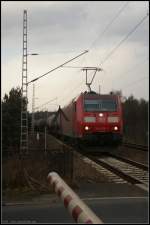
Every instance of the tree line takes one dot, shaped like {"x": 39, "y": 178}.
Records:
{"x": 135, "y": 117}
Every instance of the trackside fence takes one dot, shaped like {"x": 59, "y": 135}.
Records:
{"x": 80, "y": 212}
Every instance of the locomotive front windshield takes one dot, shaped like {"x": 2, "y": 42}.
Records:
{"x": 92, "y": 105}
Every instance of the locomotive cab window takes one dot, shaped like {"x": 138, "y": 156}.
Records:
{"x": 91, "y": 105}
{"x": 108, "y": 105}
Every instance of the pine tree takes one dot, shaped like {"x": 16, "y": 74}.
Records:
{"x": 11, "y": 119}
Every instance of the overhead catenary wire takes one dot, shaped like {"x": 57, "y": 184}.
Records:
{"x": 75, "y": 88}
{"x": 109, "y": 24}
{"x": 109, "y": 55}
{"x": 135, "y": 82}
{"x": 71, "y": 91}
{"x": 79, "y": 67}
{"x": 46, "y": 103}
{"x": 62, "y": 98}
{"x": 123, "y": 40}
{"x": 57, "y": 67}
{"x": 135, "y": 67}
{"x": 105, "y": 29}
{"x": 82, "y": 67}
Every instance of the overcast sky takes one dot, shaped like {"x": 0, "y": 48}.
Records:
{"x": 58, "y": 31}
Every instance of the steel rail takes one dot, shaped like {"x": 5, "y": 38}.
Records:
{"x": 118, "y": 172}
{"x": 127, "y": 160}
{"x": 136, "y": 146}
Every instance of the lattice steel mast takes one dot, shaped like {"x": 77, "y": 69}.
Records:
{"x": 24, "y": 99}
{"x": 33, "y": 109}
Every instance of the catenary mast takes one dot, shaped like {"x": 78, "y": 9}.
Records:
{"x": 24, "y": 91}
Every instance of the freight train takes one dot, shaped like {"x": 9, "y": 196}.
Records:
{"x": 90, "y": 118}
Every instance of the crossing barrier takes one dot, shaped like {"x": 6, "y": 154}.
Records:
{"x": 80, "y": 212}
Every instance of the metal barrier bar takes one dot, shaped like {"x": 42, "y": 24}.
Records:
{"x": 76, "y": 207}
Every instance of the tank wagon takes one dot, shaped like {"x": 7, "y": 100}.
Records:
{"x": 91, "y": 117}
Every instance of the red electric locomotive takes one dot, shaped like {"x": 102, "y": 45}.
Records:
{"x": 92, "y": 118}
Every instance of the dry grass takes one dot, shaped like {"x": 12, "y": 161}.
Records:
{"x": 38, "y": 165}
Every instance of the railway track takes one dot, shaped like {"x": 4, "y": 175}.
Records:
{"x": 135, "y": 146}
{"x": 125, "y": 170}
{"x": 132, "y": 162}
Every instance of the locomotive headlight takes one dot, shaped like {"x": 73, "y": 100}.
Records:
{"x": 101, "y": 114}
{"x": 86, "y": 128}
{"x": 115, "y": 128}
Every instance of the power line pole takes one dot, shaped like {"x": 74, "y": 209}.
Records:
{"x": 33, "y": 109}
{"x": 45, "y": 146}
{"x": 24, "y": 94}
